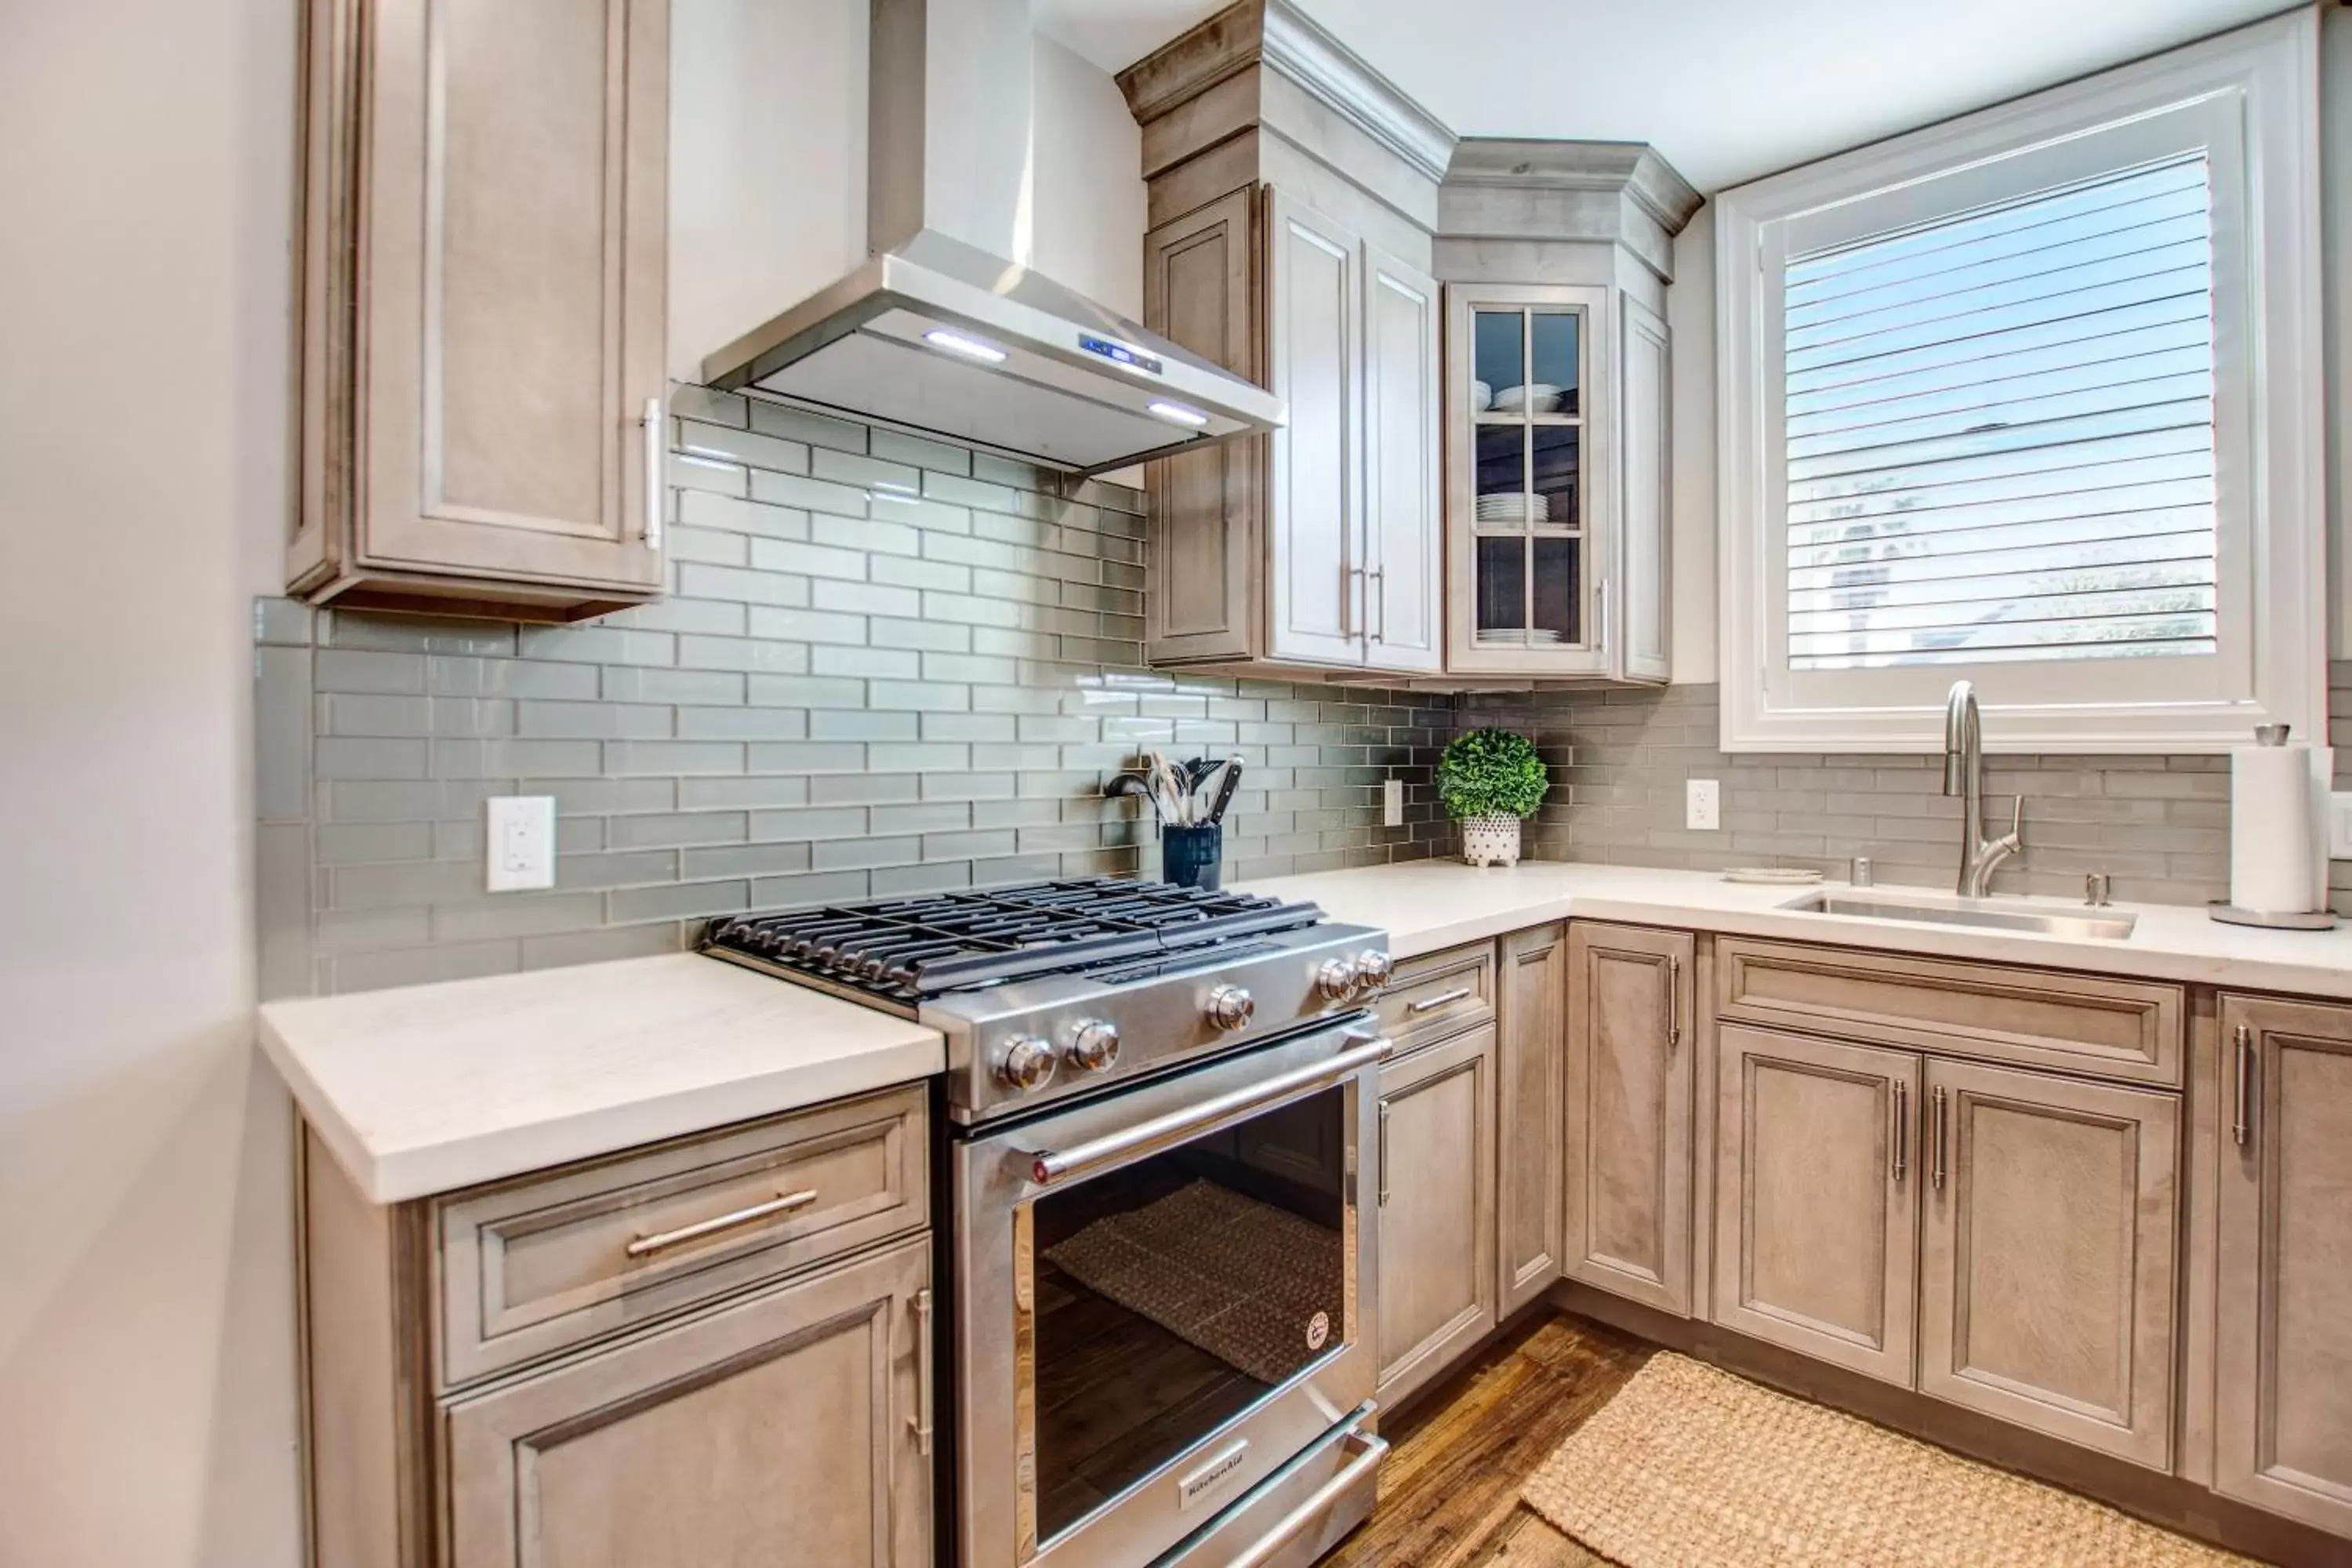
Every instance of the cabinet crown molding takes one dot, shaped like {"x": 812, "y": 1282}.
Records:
{"x": 1633, "y": 168}
{"x": 1278, "y": 35}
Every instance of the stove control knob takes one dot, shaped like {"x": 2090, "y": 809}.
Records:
{"x": 1336, "y": 980}
{"x": 1229, "y": 1007}
{"x": 1024, "y": 1064}
{"x": 1373, "y": 969}
{"x": 1094, "y": 1046}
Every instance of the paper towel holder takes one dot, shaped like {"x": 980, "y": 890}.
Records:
{"x": 2271, "y": 920}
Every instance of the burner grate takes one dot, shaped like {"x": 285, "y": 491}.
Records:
{"x": 902, "y": 950}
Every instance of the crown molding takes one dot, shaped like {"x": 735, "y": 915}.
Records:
{"x": 1633, "y": 168}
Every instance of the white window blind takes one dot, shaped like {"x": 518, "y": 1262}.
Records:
{"x": 1999, "y": 433}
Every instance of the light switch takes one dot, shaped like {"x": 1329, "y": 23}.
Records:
{"x": 521, "y": 849}
{"x": 1702, "y": 805}
{"x": 1393, "y": 803}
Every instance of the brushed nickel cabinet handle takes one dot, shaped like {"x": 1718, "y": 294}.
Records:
{"x": 921, "y": 1420}
{"x": 1902, "y": 1130}
{"x": 1940, "y": 1133}
{"x": 647, "y": 1246}
{"x": 2241, "y": 1115}
{"x": 1383, "y": 1153}
{"x": 1377, "y": 611}
{"x": 1442, "y": 999}
{"x": 1673, "y": 1003}
{"x": 657, "y": 451}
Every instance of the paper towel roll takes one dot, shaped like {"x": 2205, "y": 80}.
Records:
{"x": 2271, "y": 835}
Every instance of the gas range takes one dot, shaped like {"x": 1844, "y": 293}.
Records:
{"x": 1053, "y": 990}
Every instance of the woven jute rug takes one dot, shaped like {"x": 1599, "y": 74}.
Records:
{"x": 1254, "y": 1286}
{"x": 1688, "y": 1465}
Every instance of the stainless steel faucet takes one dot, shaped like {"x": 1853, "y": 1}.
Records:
{"x": 1964, "y": 776}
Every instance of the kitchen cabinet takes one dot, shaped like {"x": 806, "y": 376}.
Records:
{"x": 484, "y": 230}
{"x": 1436, "y": 1198}
{"x": 2048, "y": 1255}
{"x": 2282, "y": 1372}
{"x": 1816, "y": 1207}
{"x": 788, "y": 1426}
{"x": 1631, "y": 1056}
{"x": 716, "y": 1350}
{"x": 1531, "y": 1095}
{"x": 1557, "y": 410}
{"x": 1317, "y": 547}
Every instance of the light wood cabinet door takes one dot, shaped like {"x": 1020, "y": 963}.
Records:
{"x": 482, "y": 344}
{"x": 1531, "y": 1103}
{"x": 1314, "y": 508}
{"x": 1436, "y": 1208}
{"x": 1403, "y": 510}
{"x": 1201, "y": 291}
{"x": 1816, "y": 1205}
{"x": 1642, "y": 640}
{"x": 2282, "y": 1319}
{"x": 2049, "y": 1255}
{"x": 785, "y": 1428}
{"x": 1630, "y": 1066}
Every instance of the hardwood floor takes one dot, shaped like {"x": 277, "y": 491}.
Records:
{"x": 1450, "y": 1491}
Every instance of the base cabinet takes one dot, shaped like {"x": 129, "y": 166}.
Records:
{"x": 1816, "y": 1209}
{"x": 1436, "y": 1195}
{"x": 2283, "y": 1310}
{"x": 2048, "y": 1255}
{"x": 789, "y": 1427}
{"x": 1530, "y": 1085}
{"x": 1631, "y": 1054}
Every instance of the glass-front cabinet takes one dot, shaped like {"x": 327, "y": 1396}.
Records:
{"x": 1541, "y": 483}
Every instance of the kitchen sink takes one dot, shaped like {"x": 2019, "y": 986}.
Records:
{"x": 1930, "y": 908}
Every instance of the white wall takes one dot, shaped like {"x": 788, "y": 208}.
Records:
{"x": 767, "y": 167}
{"x": 1691, "y": 313}
{"x": 146, "y": 1349}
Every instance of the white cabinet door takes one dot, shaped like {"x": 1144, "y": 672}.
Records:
{"x": 1401, "y": 504}
{"x": 1316, "y": 509}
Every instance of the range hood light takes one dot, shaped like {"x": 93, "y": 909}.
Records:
{"x": 1178, "y": 414}
{"x": 971, "y": 348}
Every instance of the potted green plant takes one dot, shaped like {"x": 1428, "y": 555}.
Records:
{"x": 1488, "y": 781}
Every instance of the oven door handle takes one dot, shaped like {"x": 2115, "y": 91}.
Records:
{"x": 1049, "y": 1167}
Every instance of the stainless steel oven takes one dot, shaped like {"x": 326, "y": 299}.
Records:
{"x": 1165, "y": 1330}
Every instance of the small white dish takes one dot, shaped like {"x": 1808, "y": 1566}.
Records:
{"x": 1772, "y": 875}
{"x": 1481, "y": 397}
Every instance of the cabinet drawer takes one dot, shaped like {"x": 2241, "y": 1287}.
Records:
{"x": 2075, "y": 1023}
{"x": 550, "y": 1262}
{"x": 1437, "y": 993}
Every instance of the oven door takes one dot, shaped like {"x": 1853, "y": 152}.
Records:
{"x": 1159, "y": 1299}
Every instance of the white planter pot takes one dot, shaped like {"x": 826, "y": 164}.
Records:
{"x": 1491, "y": 840}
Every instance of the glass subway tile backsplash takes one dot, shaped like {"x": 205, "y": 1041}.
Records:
{"x": 886, "y": 666}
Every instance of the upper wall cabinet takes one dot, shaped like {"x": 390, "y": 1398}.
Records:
{"x": 1556, "y": 258}
{"x": 483, "y": 226}
{"x": 1291, "y": 193}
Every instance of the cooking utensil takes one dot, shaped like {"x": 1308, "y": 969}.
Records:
{"x": 1225, "y": 787}
{"x": 1168, "y": 789}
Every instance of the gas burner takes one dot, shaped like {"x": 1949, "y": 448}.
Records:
{"x": 903, "y": 953}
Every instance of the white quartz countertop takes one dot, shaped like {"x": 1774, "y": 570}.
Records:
{"x": 1424, "y": 905}
{"x": 431, "y": 1088}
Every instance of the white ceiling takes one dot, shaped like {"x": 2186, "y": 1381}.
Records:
{"x": 1726, "y": 89}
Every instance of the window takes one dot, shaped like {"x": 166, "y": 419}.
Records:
{"x": 2030, "y": 398}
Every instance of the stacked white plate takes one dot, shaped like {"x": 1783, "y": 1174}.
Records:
{"x": 1542, "y": 397}
{"x": 1481, "y": 397}
{"x": 1514, "y": 507}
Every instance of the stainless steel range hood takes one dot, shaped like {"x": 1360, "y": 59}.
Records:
{"x": 939, "y": 332}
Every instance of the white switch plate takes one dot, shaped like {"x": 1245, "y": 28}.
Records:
{"x": 1702, "y": 803}
{"x": 521, "y": 849}
{"x": 2340, "y": 826}
{"x": 1393, "y": 803}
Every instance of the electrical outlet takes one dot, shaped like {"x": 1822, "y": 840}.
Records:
{"x": 1702, "y": 805}
{"x": 521, "y": 852}
{"x": 1393, "y": 803}
{"x": 2340, "y": 826}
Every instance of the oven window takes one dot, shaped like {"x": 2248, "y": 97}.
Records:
{"x": 1174, "y": 1293}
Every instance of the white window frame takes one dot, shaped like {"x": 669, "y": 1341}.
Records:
{"x": 2249, "y": 101}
